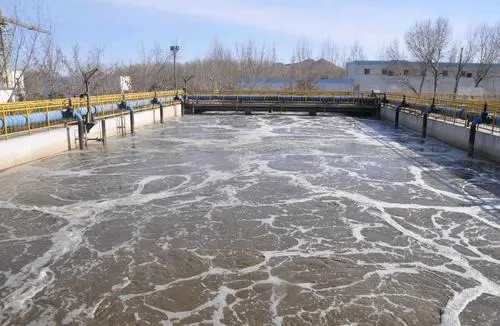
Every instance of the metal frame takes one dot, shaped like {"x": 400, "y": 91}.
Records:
{"x": 45, "y": 106}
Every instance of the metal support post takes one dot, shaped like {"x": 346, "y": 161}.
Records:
{"x": 103, "y": 131}
{"x": 132, "y": 129}
{"x": 81, "y": 134}
{"x": 424, "y": 125}
{"x": 472, "y": 140}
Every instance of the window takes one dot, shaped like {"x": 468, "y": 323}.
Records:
{"x": 462, "y": 74}
{"x": 445, "y": 73}
{"x": 406, "y": 72}
{"x": 367, "y": 71}
{"x": 390, "y": 73}
{"x": 469, "y": 75}
{"x": 384, "y": 72}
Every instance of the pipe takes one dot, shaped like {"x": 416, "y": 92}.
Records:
{"x": 123, "y": 105}
{"x": 19, "y": 120}
{"x": 77, "y": 116}
{"x": 156, "y": 101}
{"x": 81, "y": 132}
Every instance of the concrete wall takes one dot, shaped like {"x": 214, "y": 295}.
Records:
{"x": 486, "y": 145}
{"x": 23, "y": 149}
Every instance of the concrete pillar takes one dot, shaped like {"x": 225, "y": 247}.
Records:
{"x": 378, "y": 111}
{"x": 472, "y": 140}
{"x": 396, "y": 118}
{"x": 424, "y": 125}
{"x": 312, "y": 112}
{"x": 248, "y": 111}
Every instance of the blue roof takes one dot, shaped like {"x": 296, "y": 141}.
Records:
{"x": 289, "y": 80}
{"x": 336, "y": 81}
{"x": 263, "y": 80}
{"x": 380, "y": 62}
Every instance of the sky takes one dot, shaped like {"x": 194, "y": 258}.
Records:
{"x": 123, "y": 27}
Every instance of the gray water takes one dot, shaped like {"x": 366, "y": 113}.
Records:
{"x": 260, "y": 220}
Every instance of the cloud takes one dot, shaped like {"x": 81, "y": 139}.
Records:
{"x": 344, "y": 22}
{"x": 314, "y": 19}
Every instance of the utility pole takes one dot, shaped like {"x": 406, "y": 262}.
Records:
{"x": 174, "y": 49}
{"x": 5, "y": 46}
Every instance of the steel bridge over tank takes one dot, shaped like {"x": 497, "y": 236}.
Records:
{"x": 362, "y": 104}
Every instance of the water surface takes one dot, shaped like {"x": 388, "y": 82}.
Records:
{"x": 257, "y": 220}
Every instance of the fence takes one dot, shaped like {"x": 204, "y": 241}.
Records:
{"x": 442, "y": 100}
{"x": 26, "y": 117}
{"x": 472, "y": 105}
{"x": 457, "y": 117}
{"x": 30, "y": 116}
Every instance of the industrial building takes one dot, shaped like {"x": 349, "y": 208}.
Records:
{"x": 406, "y": 76}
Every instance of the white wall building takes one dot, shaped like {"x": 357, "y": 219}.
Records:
{"x": 402, "y": 76}
{"x": 6, "y": 93}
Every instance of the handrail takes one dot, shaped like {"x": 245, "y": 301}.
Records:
{"x": 27, "y": 116}
{"x": 63, "y": 103}
{"x": 444, "y": 100}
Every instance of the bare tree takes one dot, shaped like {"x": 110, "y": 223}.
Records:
{"x": 19, "y": 45}
{"x": 427, "y": 41}
{"x": 252, "y": 61}
{"x": 330, "y": 52}
{"x": 356, "y": 52}
{"x": 220, "y": 68}
{"x": 353, "y": 53}
{"x": 301, "y": 52}
{"x": 392, "y": 52}
{"x": 75, "y": 67}
{"x": 462, "y": 53}
{"x": 153, "y": 72}
{"x": 43, "y": 79}
{"x": 488, "y": 48}
{"x": 398, "y": 65}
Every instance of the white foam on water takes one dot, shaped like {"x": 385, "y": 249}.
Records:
{"x": 16, "y": 301}
{"x": 254, "y": 167}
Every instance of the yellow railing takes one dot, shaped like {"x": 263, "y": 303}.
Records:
{"x": 25, "y": 111}
{"x": 473, "y": 105}
{"x": 273, "y": 92}
{"x": 447, "y": 100}
{"x": 28, "y": 108}
{"x": 80, "y": 102}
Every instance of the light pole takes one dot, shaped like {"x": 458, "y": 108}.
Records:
{"x": 174, "y": 49}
